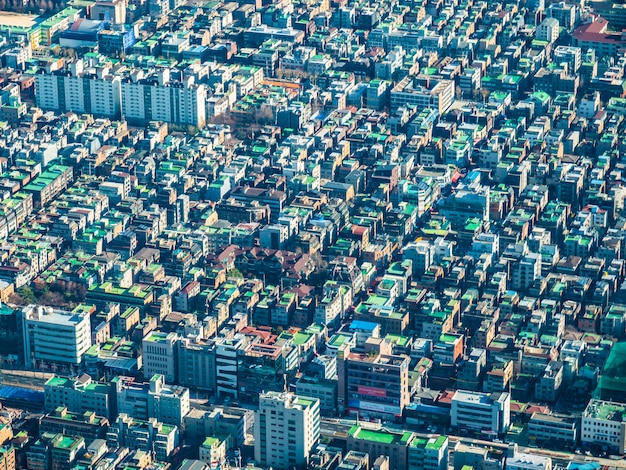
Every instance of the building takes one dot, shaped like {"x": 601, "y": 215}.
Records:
{"x": 545, "y": 429}
{"x": 318, "y": 387}
{"x": 594, "y": 34}
{"x": 159, "y": 355}
{"x": 196, "y": 364}
{"x": 375, "y": 382}
{"x": 423, "y": 93}
{"x": 213, "y": 451}
{"x": 111, "y": 10}
{"x": 79, "y": 395}
{"x": 428, "y": 453}
{"x": 218, "y": 422}
{"x": 227, "y": 352}
{"x": 376, "y": 443}
{"x": 157, "y": 98}
{"x": 148, "y": 436}
{"x": 603, "y": 425}
{"x": 80, "y": 91}
{"x": 54, "y": 336}
{"x": 548, "y": 387}
{"x": 548, "y": 30}
{"x": 481, "y": 412}
{"x": 88, "y": 425}
{"x": 286, "y": 427}
{"x": 7, "y": 458}
{"x": 154, "y": 399}
{"x": 525, "y": 461}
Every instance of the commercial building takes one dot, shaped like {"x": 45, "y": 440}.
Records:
{"x": 423, "y": 93}
{"x": 481, "y": 412}
{"x": 428, "y": 453}
{"x": 160, "y": 355}
{"x": 196, "y": 364}
{"x": 54, "y": 336}
{"x": 374, "y": 382}
{"x": 286, "y": 427}
{"x": 79, "y": 395}
{"x": 154, "y": 399}
{"x": 545, "y": 429}
{"x": 376, "y": 443}
{"x": 604, "y": 425}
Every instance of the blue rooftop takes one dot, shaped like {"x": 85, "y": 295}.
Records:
{"x": 16, "y": 393}
{"x": 363, "y": 325}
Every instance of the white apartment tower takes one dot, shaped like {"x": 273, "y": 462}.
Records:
{"x": 286, "y": 427}
{"x": 80, "y": 92}
{"x": 159, "y": 99}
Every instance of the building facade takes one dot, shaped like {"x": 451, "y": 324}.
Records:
{"x": 286, "y": 427}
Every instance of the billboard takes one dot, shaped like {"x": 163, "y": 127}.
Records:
{"x": 372, "y": 391}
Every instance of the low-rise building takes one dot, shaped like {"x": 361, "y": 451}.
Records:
{"x": 604, "y": 425}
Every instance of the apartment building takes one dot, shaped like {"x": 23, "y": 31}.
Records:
{"x": 154, "y": 399}
{"x": 286, "y": 427}
{"x": 157, "y": 98}
{"x": 423, "y": 93}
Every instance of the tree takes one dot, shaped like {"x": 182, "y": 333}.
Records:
{"x": 235, "y": 274}
{"x": 27, "y": 295}
{"x": 484, "y": 92}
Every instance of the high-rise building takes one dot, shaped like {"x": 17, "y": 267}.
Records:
{"x": 286, "y": 427}
{"x": 375, "y": 382}
{"x": 196, "y": 364}
{"x": 80, "y": 91}
{"x": 54, "y": 336}
{"x": 157, "y": 98}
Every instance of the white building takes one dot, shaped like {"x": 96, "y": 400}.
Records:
{"x": 213, "y": 451}
{"x": 227, "y": 351}
{"x": 149, "y": 436}
{"x": 524, "y": 461}
{"x": 548, "y": 30}
{"x": 47, "y": 87}
{"x": 438, "y": 95}
{"x": 489, "y": 412}
{"x": 421, "y": 254}
{"x": 152, "y": 99}
{"x": 159, "y": 355}
{"x": 54, "y": 336}
{"x": 604, "y": 424}
{"x": 167, "y": 403}
{"x": 286, "y": 427}
{"x": 106, "y": 96}
{"x": 80, "y": 91}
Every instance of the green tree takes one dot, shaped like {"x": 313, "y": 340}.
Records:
{"x": 27, "y": 295}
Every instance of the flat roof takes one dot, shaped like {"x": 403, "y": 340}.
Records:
{"x": 20, "y": 20}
